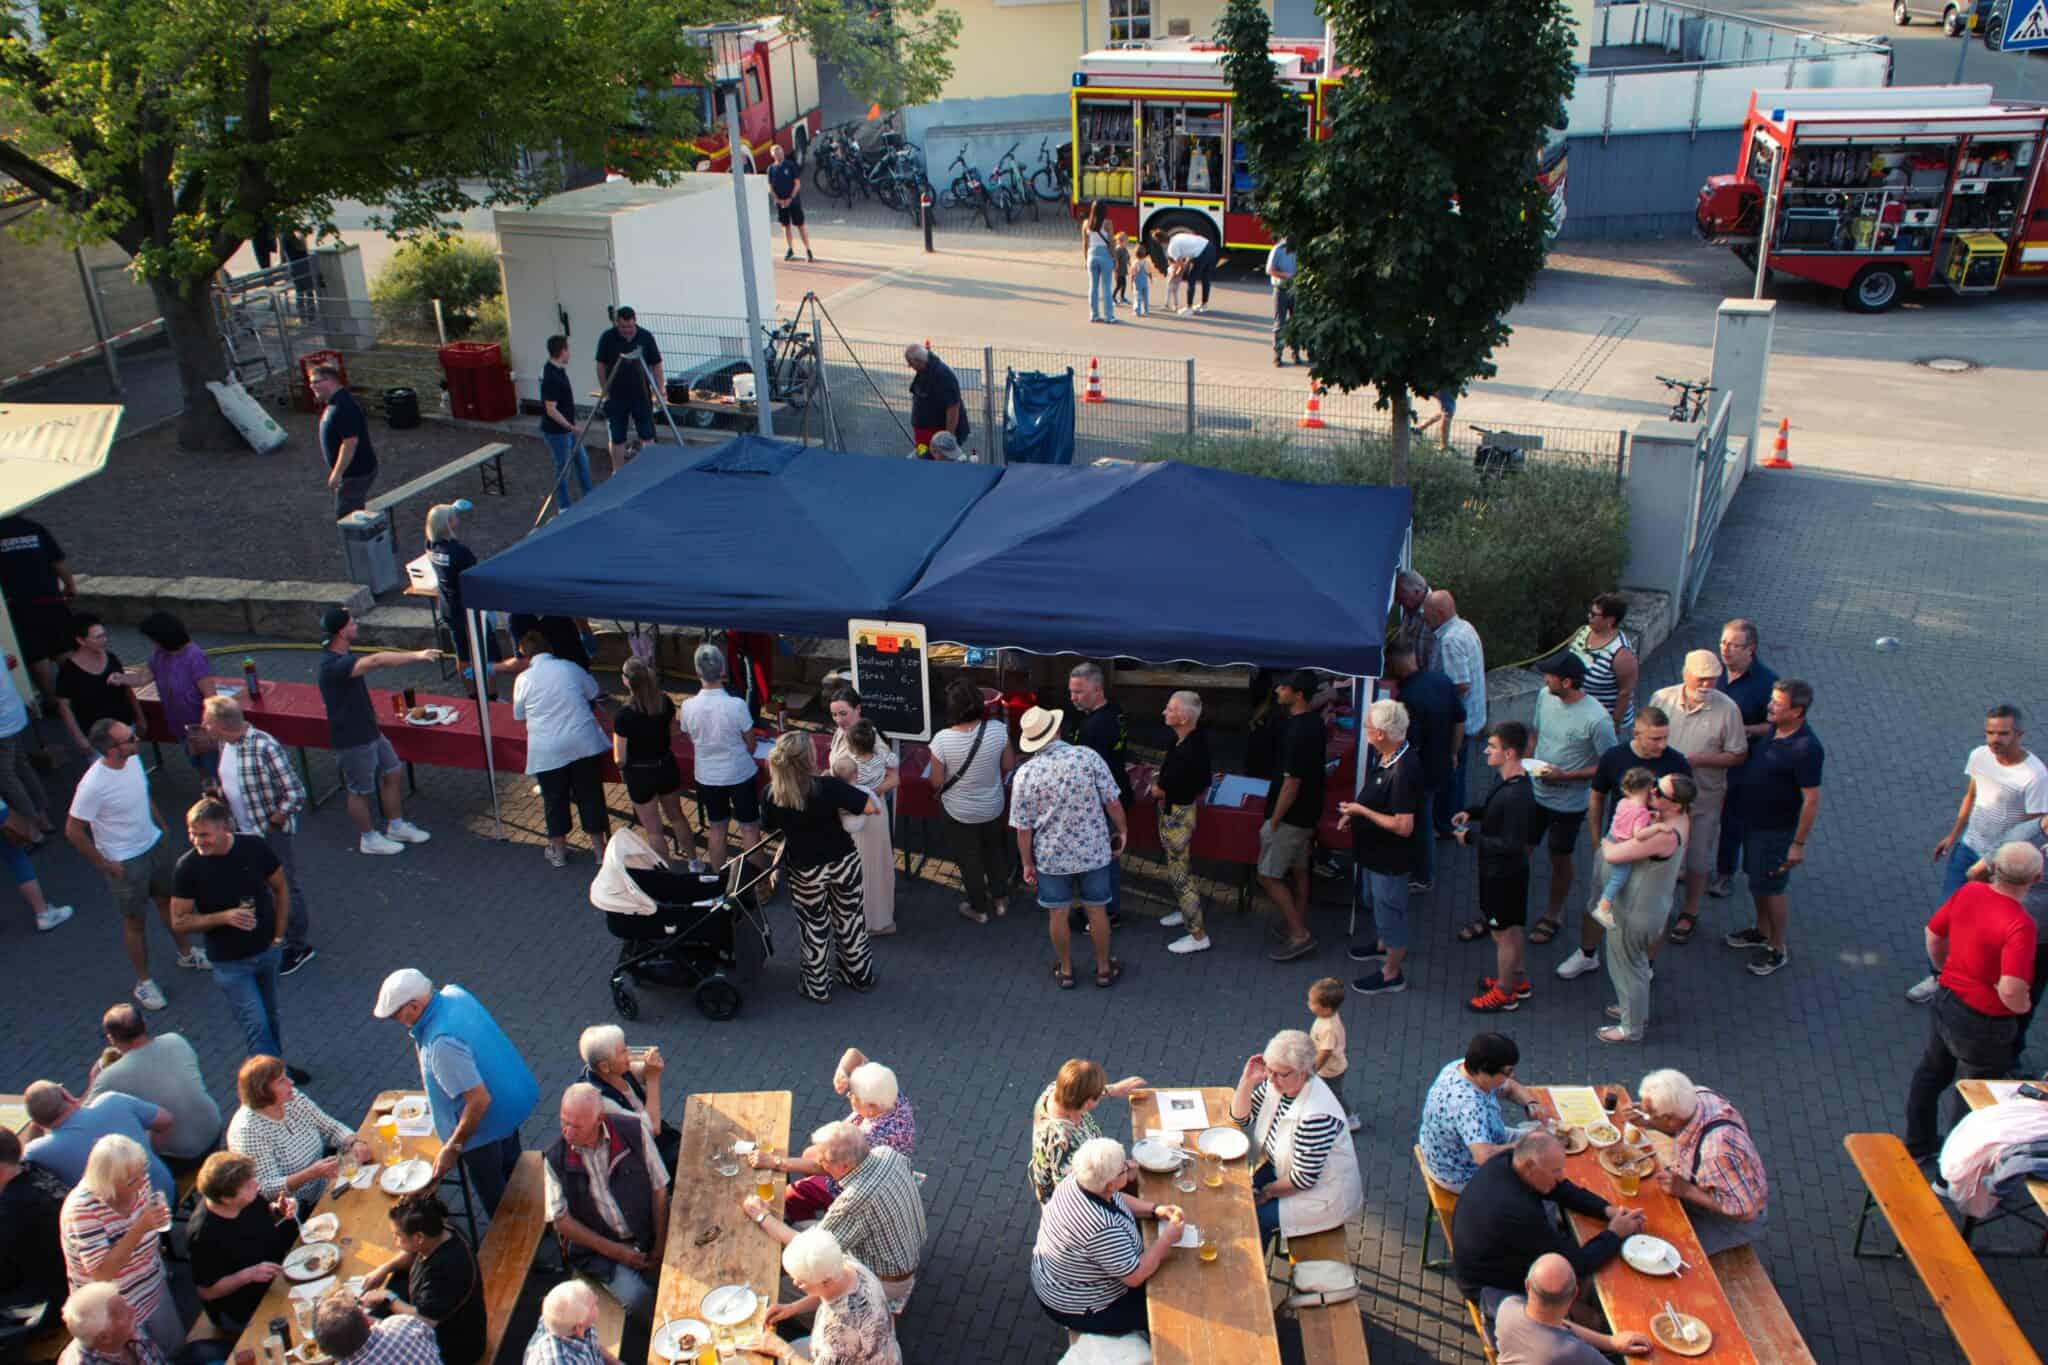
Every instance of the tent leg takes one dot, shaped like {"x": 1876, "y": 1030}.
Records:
{"x": 482, "y": 669}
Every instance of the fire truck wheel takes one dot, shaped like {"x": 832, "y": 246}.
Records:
{"x": 1900, "y": 15}
{"x": 1951, "y": 22}
{"x": 1875, "y": 289}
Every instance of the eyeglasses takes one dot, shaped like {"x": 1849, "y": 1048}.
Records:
{"x": 1282, "y": 1073}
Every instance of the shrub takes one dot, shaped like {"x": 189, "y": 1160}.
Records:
{"x": 492, "y": 323}
{"x": 461, "y": 272}
{"x": 1523, "y": 552}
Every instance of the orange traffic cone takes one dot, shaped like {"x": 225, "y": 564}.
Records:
{"x": 1781, "y": 455}
{"x": 1312, "y": 415}
{"x": 1093, "y": 393}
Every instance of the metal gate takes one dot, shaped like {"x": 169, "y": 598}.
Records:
{"x": 1711, "y": 470}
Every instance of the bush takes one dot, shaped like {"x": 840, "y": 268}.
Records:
{"x": 461, "y": 272}
{"x": 492, "y": 323}
{"x": 1523, "y": 552}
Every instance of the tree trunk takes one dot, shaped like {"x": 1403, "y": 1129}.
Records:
{"x": 1403, "y": 416}
{"x": 187, "y": 307}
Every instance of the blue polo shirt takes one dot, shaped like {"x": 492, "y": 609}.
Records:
{"x": 1434, "y": 710}
{"x": 1751, "y": 694}
{"x": 1783, "y": 769}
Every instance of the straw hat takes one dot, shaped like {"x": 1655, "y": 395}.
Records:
{"x": 1039, "y": 728}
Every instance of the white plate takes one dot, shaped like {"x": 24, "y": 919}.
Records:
{"x": 319, "y": 1229}
{"x": 1156, "y": 1156}
{"x": 436, "y": 715}
{"x": 313, "y": 1289}
{"x": 1228, "y": 1143}
{"x": 1190, "y": 1236}
{"x": 668, "y": 1340}
{"x": 409, "y": 1107}
{"x": 312, "y": 1261}
{"x": 729, "y": 1305}
{"x": 406, "y": 1176}
{"x": 1535, "y": 767}
{"x": 1651, "y": 1255}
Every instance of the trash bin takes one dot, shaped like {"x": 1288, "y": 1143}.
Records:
{"x": 366, "y": 541}
{"x": 401, "y": 408}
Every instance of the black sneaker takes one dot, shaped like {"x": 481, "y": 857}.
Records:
{"x": 1768, "y": 963}
{"x": 295, "y": 958}
{"x": 789, "y": 255}
{"x": 299, "y": 1074}
{"x": 1376, "y": 983}
{"x": 1365, "y": 952}
{"x": 1747, "y": 938}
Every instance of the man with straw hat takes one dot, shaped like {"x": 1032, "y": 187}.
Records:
{"x": 1070, "y": 830}
{"x": 1706, "y": 726}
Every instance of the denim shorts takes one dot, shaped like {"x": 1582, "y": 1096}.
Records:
{"x": 364, "y": 764}
{"x": 1763, "y": 857}
{"x": 1059, "y": 890}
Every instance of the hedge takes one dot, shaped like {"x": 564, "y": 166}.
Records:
{"x": 462, "y": 272}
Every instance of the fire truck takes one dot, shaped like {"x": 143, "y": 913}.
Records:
{"x": 1153, "y": 139}
{"x": 1879, "y": 191}
{"x": 778, "y": 88}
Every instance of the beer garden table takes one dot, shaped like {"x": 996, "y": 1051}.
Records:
{"x": 711, "y": 1241}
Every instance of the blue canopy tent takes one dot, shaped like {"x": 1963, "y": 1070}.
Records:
{"x": 1168, "y": 563}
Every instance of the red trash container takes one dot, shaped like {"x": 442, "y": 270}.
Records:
{"x": 469, "y": 367}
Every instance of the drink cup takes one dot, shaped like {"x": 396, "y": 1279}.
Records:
{"x": 1212, "y": 1172}
{"x": 764, "y": 1190}
{"x": 1208, "y": 1250}
{"x": 1184, "y": 1178}
{"x": 398, "y": 705}
{"x": 1627, "y": 1183}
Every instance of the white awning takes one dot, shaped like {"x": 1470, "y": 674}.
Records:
{"x": 47, "y": 447}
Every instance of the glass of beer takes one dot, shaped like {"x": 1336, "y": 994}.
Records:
{"x": 347, "y": 1157}
{"x": 1628, "y": 1182}
{"x": 764, "y": 1187}
{"x": 387, "y": 1133}
{"x": 1208, "y": 1249}
{"x": 1212, "y": 1171}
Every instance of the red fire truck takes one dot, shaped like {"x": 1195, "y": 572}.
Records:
{"x": 1152, "y": 136}
{"x": 778, "y": 85}
{"x": 1878, "y": 191}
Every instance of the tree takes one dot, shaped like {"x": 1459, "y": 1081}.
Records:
{"x": 1417, "y": 221}
{"x": 892, "y": 55}
{"x": 173, "y": 130}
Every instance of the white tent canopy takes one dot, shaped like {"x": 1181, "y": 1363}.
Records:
{"x": 44, "y": 449}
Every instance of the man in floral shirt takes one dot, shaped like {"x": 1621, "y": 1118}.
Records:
{"x": 1063, "y": 806}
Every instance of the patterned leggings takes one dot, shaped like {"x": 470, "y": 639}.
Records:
{"x": 828, "y": 906}
{"x": 1176, "y": 835}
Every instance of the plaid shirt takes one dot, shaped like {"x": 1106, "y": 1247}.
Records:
{"x": 400, "y": 1340}
{"x": 145, "y": 1351}
{"x": 1724, "y": 1162}
{"x": 878, "y": 1215}
{"x": 545, "y": 1348}
{"x": 266, "y": 784}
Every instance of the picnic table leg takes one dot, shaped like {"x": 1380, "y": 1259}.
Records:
{"x": 412, "y": 778}
{"x": 495, "y": 466}
{"x": 1856, "y": 1247}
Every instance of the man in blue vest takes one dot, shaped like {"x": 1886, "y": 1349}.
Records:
{"x": 478, "y": 1087}
{"x": 607, "y": 1198}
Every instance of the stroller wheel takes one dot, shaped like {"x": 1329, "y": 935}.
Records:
{"x": 718, "y": 998}
{"x": 624, "y": 1002}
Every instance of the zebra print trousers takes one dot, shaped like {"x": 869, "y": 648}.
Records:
{"x": 828, "y": 908}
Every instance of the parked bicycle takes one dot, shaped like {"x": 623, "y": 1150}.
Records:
{"x": 1053, "y": 181}
{"x": 1691, "y": 403}
{"x": 969, "y": 191}
{"x": 839, "y": 169}
{"x": 1010, "y": 188}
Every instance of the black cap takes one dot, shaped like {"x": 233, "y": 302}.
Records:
{"x": 332, "y": 622}
{"x": 1566, "y": 665}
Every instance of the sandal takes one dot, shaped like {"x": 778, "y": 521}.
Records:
{"x": 1681, "y": 929}
{"x": 1615, "y": 1035}
{"x": 1066, "y": 979}
{"x": 1105, "y": 979}
{"x": 972, "y": 915}
{"x": 1544, "y": 930}
{"x": 1473, "y": 932}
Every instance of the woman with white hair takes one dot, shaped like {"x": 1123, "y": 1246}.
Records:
{"x": 1182, "y": 780}
{"x": 450, "y": 557}
{"x": 109, "y": 1227}
{"x": 823, "y": 865}
{"x": 1090, "y": 1263}
{"x": 721, "y": 731}
{"x": 879, "y": 1109}
{"x": 1382, "y": 824}
{"x": 854, "y": 1325}
{"x": 629, "y": 1085}
{"x": 1311, "y": 1183}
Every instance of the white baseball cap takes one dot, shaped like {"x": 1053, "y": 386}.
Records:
{"x": 400, "y": 989}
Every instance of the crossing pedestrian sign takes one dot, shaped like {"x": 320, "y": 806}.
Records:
{"x": 2026, "y": 26}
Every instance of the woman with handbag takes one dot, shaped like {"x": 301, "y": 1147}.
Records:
{"x": 970, "y": 759}
{"x": 644, "y": 733}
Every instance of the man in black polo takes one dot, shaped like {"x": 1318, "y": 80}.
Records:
{"x": 786, "y": 187}
{"x": 38, "y": 587}
{"x": 607, "y": 1197}
{"x": 345, "y": 440}
{"x": 1783, "y": 799}
{"x": 1502, "y": 1225}
{"x": 626, "y": 357}
{"x": 1436, "y": 728}
{"x": 935, "y": 404}
{"x": 1098, "y": 723}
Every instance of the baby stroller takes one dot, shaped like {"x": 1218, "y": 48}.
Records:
{"x": 702, "y": 930}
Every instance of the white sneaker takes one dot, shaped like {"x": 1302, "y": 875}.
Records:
{"x": 406, "y": 832}
{"x": 52, "y": 917}
{"x": 148, "y": 996}
{"x": 1173, "y": 921}
{"x": 1923, "y": 990}
{"x": 1603, "y": 915}
{"x": 373, "y": 842}
{"x": 1578, "y": 964}
{"x": 196, "y": 960}
{"x": 1188, "y": 943}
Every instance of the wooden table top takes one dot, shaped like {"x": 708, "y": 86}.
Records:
{"x": 703, "y": 1200}
{"x": 364, "y": 1236}
{"x": 1215, "y": 1312}
{"x": 1631, "y": 1298}
{"x": 14, "y": 1111}
{"x": 1977, "y": 1094}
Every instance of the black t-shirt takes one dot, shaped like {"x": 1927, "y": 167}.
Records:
{"x": 782, "y": 180}
{"x": 29, "y": 556}
{"x": 450, "y": 558}
{"x": 221, "y": 883}
{"x": 31, "y": 1247}
{"x": 1434, "y": 710}
{"x": 341, "y": 419}
{"x": 555, "y": 385}
{"x": 1393, "y": 788}
{"x": 1618, "y": 760}
{"x": 815, "y": 836}
{"x": 647, "y": 737}
{"x": 351, "y": 719}
{"x": 222, "y": 1246}
{"x": 1301, "y": 755}
{"x": 1185, "y": 772}
{"x": 447, "y": 1287}
{"x": 92, "y": 697}
{"x": 629, "y": 381}
{"x": 934, "y": 389}
{"x": 1262, "y": 744}
{"x": 564, "y": 640}
{"x": 1104, "y": 731}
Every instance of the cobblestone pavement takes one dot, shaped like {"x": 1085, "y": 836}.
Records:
{"x": 972, "y": 1023}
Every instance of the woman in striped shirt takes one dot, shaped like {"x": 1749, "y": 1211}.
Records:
{"x": 1090, "y": 1264}
{"x": 1311, "y": 1183}
{"x": 1609, "y": 658}
{"x": 285, "y": 1135}
{"x": 109, "y": 1227}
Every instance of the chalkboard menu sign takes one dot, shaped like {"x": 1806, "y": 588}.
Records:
{"x": 890, "y": 674}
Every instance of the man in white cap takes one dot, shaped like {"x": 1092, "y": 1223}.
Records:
{"x": 479, "y": 1089}
{"x": 1706, "y": 726}
{"x": 1063, "y": 806}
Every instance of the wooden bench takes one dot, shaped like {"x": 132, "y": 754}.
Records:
{"x": 506, "y": 1255}
{"x": 1442, "y": 1204}
{"x": 611, "y": 1321}
{"x": 1333, "y": 1334}
{"x": 1977, "y": 1318}
{"x": 1773, "y": 1337}
{"x": 492, "y": 454}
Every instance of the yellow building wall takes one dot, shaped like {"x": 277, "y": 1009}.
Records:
{"x": 1030, "y": 49}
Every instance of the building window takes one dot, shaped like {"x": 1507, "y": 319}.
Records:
{"x": 1130, "y": 21}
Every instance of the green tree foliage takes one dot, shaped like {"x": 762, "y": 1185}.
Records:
{"x": 1417, "y": 222}
{"x": 892, "y": 55}
{"x": 461, "y": 272}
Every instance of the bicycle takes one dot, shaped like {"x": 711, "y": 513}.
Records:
{"x": 1054, "y": 179}
{"x": 969, "y": 191}
{"x": 1691, "y": 403}
{"x": 1009, "y": 179}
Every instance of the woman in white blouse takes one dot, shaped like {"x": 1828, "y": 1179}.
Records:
{"x": 876, "y": 769}
{"x": 285, "y": 1135}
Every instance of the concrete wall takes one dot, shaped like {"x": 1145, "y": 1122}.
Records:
{"x": 986, "y": 128}
{"x": 47, "y": 314}
{"x": 1642, "y": 184}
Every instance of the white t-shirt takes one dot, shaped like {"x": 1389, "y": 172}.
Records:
{"x": 553, "y": 697}
{"x": 1186, "y": 246}
{"x": 717, "y": 723}
{"x": 2005, "y": 796}
{"x": 115, "y": 802}
{"x": 977, "y": 797}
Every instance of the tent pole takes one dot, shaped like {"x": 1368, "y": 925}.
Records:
{"x": 482, "y": 668}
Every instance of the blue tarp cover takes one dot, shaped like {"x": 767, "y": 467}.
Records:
{"x": 1038, "y": 418}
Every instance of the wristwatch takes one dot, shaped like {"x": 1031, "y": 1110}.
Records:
{"x": 761, "y": 1217}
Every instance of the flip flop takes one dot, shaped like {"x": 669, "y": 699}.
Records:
{"x": 1104, "y": 980}
{"x": 1472, "y": 932}
{"x": 1544, "y": 930}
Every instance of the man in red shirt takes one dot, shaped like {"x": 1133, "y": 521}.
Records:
{"x": 1981, "y": 942}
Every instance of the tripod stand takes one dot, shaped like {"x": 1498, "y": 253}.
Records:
{"x": 656, "y": 397}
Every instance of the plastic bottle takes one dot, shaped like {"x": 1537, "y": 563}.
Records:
{"x": 249, "y": 677}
